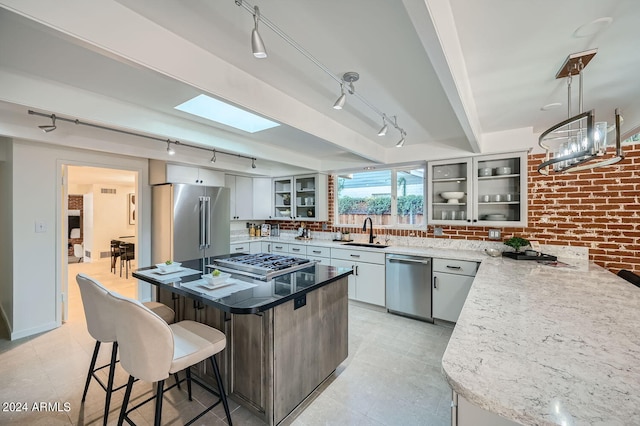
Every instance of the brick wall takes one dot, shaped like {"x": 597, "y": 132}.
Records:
{"x": 75, "y": 203}
{"x": 598, "y": 209}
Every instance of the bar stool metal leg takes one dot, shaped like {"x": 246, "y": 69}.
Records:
{"x": 125, "y": 402}
{"x": 92, "y": 366}
{"x": 159, "y": 396}
{"x": 223, "y": 395}
{"x": 109, "y": 390}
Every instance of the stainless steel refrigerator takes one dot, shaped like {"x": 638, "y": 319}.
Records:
{"x": 189, "y": 222}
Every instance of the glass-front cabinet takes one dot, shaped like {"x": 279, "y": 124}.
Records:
{"x": 300, "y": 197}
{"x": 487, "y": 190}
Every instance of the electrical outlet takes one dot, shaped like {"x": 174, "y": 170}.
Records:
{"x": 494, "y": 234}
{"x": 437, "y": 232}
{"x": 324, "y": 226}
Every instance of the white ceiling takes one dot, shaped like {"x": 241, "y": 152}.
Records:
{"x": 462, "y": 77}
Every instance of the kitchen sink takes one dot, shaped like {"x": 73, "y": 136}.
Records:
{"x": 365, "y": 245}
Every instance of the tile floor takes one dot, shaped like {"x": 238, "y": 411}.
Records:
{"x": 392, "y": 376}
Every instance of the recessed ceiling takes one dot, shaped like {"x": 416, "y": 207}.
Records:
{"x": 454, "y": 73}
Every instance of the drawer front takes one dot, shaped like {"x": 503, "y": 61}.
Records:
{"x": 460, "y": 267}
{"x": 358, "y": 255}
{"x": 321, "y": 260}
{"x": 240, "y": 248}
{"x": 297, "y": 249}
{"x": 279, "y": 248}
{"x": 318, "y": 251}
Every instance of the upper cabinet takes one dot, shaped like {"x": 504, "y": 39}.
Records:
{"x": 241, "y": 200}
{"x": 487, "y": 190}
{"x": 262, "y": 198}
{"x": 300, "y": 197}
{"x": 162, "y": 172}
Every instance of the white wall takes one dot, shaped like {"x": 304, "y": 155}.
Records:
{"x": 110, "y": 217}
{"x": 37, "y": 197}
{"x": 6, "y": 219}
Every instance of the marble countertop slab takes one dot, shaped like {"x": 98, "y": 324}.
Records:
{"x": 543, "y": 345}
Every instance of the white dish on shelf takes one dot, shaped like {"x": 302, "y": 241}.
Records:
{"x": 452, "y": 197}
{"x": 163, "y": 268}
{"x": 495, "y": 217}
{"x": 503, "y": 170}
{"x": 485, "y": 171}
{"x": 170, "y": 271}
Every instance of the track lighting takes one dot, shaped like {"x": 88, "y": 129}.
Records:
{"x": 257, "y": 45}
{"x": 347, "y": 78}
{"x": 49, "y": 127}
{"x": 170, "y": 149}
{"x": 342, "y": 99}
{"x": 169, "y": 142}
{"x": 383, "y": 130}
{"x": 400, "y": 143}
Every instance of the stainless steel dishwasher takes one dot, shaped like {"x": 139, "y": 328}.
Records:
{"x": 408, "y": 283}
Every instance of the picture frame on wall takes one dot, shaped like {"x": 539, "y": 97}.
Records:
{"x": 132, "y": 209}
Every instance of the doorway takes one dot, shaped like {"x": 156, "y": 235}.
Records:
{"x": 99, "y": 206}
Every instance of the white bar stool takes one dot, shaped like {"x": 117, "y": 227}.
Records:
{"x": 100, "y": 312}
{"x": 151, "y": 350}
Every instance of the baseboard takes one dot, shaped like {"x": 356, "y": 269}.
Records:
{"x": 35, "y": 330}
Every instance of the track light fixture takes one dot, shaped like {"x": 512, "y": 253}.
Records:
{"x": 342, "y": 99}
{"x": 348, "y": 78}
{"x": 257, "y": 45}
{"x": 169, "y": 142}
{"x": 49, "y": 127}
{"x": 170, "y": 149}
{"x": 384, "y": 128}
{"x": 400, "y": 143}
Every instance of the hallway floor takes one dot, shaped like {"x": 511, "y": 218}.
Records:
{"x": 392, "y": 376}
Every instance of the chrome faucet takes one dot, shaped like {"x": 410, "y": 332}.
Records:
{"x": 364, "y": 228}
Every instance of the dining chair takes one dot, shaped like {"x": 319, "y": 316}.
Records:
{"x": 127, "y": 254}
{"x": 115, "y": 253}
{"x": 151, "y": 350}
{"x": 100, "y": 313}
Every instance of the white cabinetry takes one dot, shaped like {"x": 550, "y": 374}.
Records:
{"x": 300, "y": 197}
{"x": 162, "y": 172}
{"x": 494, "y": 187}
{"x": 464, "y": 413}
{"x": 319, "y": 254}
{"x": 241, "y": 201}
{"x": 262, "y": 207}
{"x": 298, "y": 250}
{"x": 367, "y": 283}
{"x": 279, "y": 247}
{"x": 452, "y": 281}
{"x": 246, "y": 248}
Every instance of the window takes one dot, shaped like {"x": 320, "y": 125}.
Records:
{"x": 391, "y": 197}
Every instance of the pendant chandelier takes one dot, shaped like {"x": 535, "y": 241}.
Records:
{"x": 579, "y": 142}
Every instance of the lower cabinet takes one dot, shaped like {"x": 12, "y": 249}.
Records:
{"x": 247, "y": 248}
{"x": 464, "y": 413}
{"x": 320, "y": 254}
{"x": 367, "y": 283}
{"x": 452, "y": 281}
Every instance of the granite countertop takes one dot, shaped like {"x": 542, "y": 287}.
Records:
{"x": 244, "y": 295}
{"x": 437, "y": 252}
{"x": 545, "y": 345}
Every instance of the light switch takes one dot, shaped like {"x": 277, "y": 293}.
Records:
{"x": 41, "y": 226}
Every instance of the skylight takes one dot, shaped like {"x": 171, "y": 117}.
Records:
{"x": 220, "y": 112}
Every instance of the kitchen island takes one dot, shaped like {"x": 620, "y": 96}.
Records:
{"x": 543, "y": 345}
{"x": 284, "y": 336}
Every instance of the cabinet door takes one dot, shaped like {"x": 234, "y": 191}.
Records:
{"x": 501, "y": 189}
{"x": 182, "y": 174}
{"x": 208, "y": 177}
{"x": 370, "y": 283}
{"x": 339, "y": 263}
{"x": 265, "y": 246}
{"x": 244, "y": 198}
{"x": 255, "y": 247}
{"x": 282, "y": 190}
{"x": 449, "y": 293}
{"x": 230, "y": 182}
{"x": 262, "y": 194}
{"x": 450, "y": 197}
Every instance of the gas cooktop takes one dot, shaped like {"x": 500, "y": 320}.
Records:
{"x": 261, "y": 265}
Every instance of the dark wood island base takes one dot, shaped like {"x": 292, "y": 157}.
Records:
{"x": 277, "y": 355}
